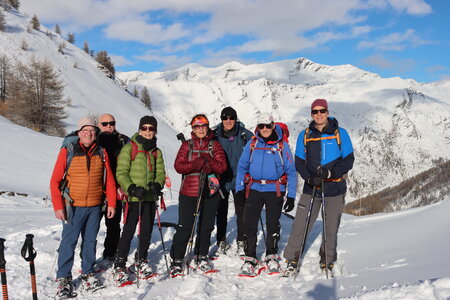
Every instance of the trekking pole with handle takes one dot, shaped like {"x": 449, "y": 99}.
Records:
{"x": 161, "y": 234}
{"x": 305, "y": 232}
{"x": 324, "y": 233}
{"x": 188, "y": 253}
{"x": 2, "y": 269}
{"x": 29, "y": 254}
{"x": 262, "y": 228}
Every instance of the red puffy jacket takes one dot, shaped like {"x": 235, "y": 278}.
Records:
{"x": 218, "y": 162}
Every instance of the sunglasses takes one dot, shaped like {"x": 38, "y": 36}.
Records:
{"x": 316, "y": 111}
{"x": 228, "y": 118}
{"x": 203, "y": 126}
{"x": 147, "y": 128}
{"x": 261, "y": 126}
{"x": 112, "y": 123}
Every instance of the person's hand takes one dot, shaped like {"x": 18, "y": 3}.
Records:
{"x": 60, "y": 215}
{"x": 207, "y": 168}
{"x": 314, "y": 180}
{"x": 137, "y": 191}
{"x": 198, "y": 163}
{"x": 156, "y": 188}
{"x": 324, "y": 172}
{"x": 289, "y": 205}
{"x": 110, "y": 212}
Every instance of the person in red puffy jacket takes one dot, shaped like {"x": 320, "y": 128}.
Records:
{"x": 200, "y": 155}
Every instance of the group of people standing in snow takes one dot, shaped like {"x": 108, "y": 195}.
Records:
{"x": 102, "y": 172}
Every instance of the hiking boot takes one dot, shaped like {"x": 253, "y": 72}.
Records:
{"x": 176, "y": 268}
{"x": 64, "y": 289}
{"x": 249, "y": 268}
{"x": 291, "y": 268}
{"x": 323, "y": 266}
{"x": 272, "y": 265}
{"x": 223, "y": 248}
{"x": 203, "y": 264}
{"x": 145, "y": 271}
{"x": 120, "y": 276}
{"x": 103, "y": 264}
{"x": 240, "y": 248}
{"x": 91, "y": 283}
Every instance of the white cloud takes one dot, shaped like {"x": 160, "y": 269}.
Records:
{"x": 169, "y": 61}
{"x": 412, "y": 7}
{"x": 120, "y": 61}
{"x": 397, "y": 65}
{"x": 394, "y": 41}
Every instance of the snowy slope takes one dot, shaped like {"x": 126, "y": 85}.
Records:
{"x": 399, "y": 127}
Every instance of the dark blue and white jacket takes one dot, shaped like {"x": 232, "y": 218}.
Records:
{"x": 233, "y": 145}
{"x": 324, "y": 150}
{"x": 267, "y": 165}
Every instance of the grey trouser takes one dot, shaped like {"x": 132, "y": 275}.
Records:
{"x": 333, "y": 212}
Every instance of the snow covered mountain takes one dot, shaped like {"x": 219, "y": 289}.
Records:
{"x": 399, "y": 127}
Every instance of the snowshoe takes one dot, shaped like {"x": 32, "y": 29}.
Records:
{"x": 145, "y": 271}
{"x": 250, "y": 268}
{"x": 203, "y": 265}
{"x": 102, "y": 265}
{"x": 176, "y": 268}
{"x": 91, "y": 283}
{"x": 272, "y": 265}
{"x": 291, "y": 269}
{"x": 240, "y": 248}
{"x": 121, "y": 277}
{"x": 64, "y": 289}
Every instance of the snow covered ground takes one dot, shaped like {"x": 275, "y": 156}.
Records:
{"x": 388, "y": 256}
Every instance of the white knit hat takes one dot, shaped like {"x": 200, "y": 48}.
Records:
{"x": 86, "y": 121}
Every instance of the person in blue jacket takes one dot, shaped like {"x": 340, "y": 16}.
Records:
{"x": 233, "y": 137}
{"x": 265, "y": 170}
{"x": 323, "y": 157}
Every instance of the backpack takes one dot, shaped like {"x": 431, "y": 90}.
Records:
{"x": 191, "y": 148}
{"x": 336, "y": 136}
{"x": 135, "y": 150}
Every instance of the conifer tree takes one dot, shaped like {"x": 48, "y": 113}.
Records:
{"x": 4, "y": 74}
{"x": 57, "y": 29}
{"x": 135, "y": 91}
{"x": 2, "y": 21}
{"x": 86, "y": 47}
{"x": 35, "y": 22}
{"x": 15, "y": 4}
{"x": 145, "y": 98}
{"x": 71, "y": 38}
{"x": 103, "y": 58}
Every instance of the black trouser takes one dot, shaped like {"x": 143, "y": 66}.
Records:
{"x": 186, "y": 211}
{"x": 222, "y": 216}
{"x": 146, "y": 227}
{"x": 112, "y": 232}
{"x": 253, "y": 206}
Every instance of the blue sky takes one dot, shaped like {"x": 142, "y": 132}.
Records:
{"x": 406, "y": 38}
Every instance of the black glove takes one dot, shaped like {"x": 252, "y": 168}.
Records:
{"x": 324, "y": 172}
{"x": 155, "y": 187}
{"x": 289, "y": 205}
{"x": 137, "y": 191}
{"x": 314, "y": 180}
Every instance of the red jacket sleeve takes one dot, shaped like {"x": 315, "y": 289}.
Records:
{"x": 219, "y": 160}
{"x": 55, "y": 180}
{"x": 182, "y": 164}
{"x": 110, "y": 183}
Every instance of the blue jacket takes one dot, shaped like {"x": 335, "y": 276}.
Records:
{"x": 233, "y": 145}
{"x": 268, "y": 165}
{"x": 327, "y": 153}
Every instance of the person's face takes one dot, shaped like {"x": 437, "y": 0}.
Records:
{"x": 147, "y": 131}
{"x": 228, "y": 122}
{"x": 200, "y": 130}
{"x": 87, "y": 135}
{"x": 265, "y": 130}
{"x": 107, "y": 123}
{"x": 320, "y": 115}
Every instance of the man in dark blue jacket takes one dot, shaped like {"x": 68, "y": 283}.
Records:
{"x": 265, "y": 168}
{"x": 233, "y": 136}
{"x": 323, "y": 157}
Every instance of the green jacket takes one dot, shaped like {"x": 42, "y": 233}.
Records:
{"x": 137, "y": 171}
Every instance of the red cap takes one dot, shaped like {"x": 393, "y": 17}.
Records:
{"x": 319, "y": 102}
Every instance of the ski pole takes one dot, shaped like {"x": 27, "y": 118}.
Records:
{"x": 29, "y": 254}
{"x": 305, "y": 232}
{"x": 2, "y": 269}
{"x": 162, "y": 238}
{"x": 324, "y": 233}
{"x": 138, "y": 264}
{"x": 196, "y": 213}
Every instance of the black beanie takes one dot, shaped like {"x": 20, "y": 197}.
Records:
{"x": 148, "y": 120}
{"x": 228, "y": 112}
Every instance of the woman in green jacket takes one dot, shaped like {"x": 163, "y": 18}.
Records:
{"x": 141, "y": 173}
